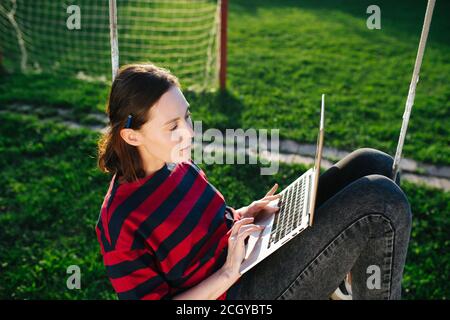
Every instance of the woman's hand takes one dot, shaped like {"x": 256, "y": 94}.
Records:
{"x": 261, "y": 205}
{"x": 236, "y": 245}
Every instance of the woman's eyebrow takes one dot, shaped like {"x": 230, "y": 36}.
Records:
{"x": 175, "y": 119}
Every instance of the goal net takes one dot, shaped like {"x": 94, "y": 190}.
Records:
{"x": 73, "y": 37}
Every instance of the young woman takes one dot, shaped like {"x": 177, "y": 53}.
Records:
{"x": 166, "y": 233}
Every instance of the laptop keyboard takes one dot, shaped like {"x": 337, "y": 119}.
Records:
{"x": 291, "y": 204}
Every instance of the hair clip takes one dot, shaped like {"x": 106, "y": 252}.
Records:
{"x": 128, "y": 121}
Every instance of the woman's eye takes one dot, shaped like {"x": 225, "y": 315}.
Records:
{"x": 176, "y": 126}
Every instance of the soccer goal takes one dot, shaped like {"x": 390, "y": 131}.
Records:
{"x": 73, "y": 37}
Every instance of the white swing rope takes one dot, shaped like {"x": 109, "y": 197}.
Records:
{"x": 412, "y": 86}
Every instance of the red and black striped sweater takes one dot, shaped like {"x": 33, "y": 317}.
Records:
{"x": 164, "y": 233}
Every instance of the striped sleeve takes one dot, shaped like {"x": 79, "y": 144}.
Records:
{"x": 199, "y": 170}
{"x": 135, "y": 276}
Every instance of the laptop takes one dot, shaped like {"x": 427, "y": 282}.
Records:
{"x": 296, "y": 211}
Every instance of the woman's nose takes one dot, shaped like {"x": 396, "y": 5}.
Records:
{"x": 190, "y": 130}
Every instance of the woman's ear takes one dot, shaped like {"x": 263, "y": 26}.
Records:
{"x": 131, "y": 137}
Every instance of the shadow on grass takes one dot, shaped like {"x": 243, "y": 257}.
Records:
{"x": 403, "y": 18}
{"x": 218, "y": 109}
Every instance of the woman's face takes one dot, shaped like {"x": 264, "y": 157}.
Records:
{"x": 167, "y": 136}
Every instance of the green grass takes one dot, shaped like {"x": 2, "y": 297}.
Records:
{"x": 51, "y": 193}
{"x": 284, "y": 54}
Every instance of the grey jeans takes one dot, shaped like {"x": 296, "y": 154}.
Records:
{"x": 362, "y": 225}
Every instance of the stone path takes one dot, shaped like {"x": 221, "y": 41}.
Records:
{"x": 290, "y": 151}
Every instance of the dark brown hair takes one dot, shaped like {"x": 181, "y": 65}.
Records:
{"x": 136, "y": 88}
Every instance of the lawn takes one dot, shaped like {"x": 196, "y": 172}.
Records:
{"x": 48, "y": 218}
{"x": 284, "y": 54}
